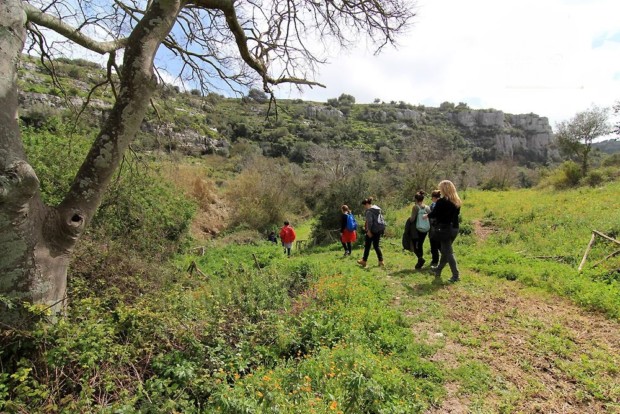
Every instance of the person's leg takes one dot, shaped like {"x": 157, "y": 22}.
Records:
{"x": 446, "y": 253}
{"x": 452, "y": 259}
{"x": 419, "y": 250}
{"x": 435, "y": 246}
{"x": 375, "y": 244}
{"x": 346, "y": 249}
{"x": 367, "y": 244}
{"x": 349, "y": 248}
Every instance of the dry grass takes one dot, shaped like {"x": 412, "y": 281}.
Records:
{"x": 213, "y": 212}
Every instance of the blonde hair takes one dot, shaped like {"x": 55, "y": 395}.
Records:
{"x": 448, "y": 191}
{"x": 345, "y": 208}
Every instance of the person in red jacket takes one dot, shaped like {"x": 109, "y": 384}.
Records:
{"x": 287, "y": 235}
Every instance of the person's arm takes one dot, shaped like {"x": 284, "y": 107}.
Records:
{"x": 414, "y": 212}
{"x": 436, "y": 210}
{"x": 343, "y": 222}
{"x": 369, "y": 222}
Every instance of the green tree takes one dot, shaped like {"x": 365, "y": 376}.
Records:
{"x": 230, "y": 40}
{"x": 575, "y": 137}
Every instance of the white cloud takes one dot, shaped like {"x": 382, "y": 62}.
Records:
{"x": 552, "y": 57}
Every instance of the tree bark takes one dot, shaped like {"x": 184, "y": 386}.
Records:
{"x": 36, "y": 241}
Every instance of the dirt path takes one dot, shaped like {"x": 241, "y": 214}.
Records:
{"x": 513, "y": 349}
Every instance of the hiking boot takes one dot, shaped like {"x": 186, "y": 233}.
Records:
{"x": 381, "y": 263}
{"x": 420, "y": 263}
{"x": 361, "y": 262}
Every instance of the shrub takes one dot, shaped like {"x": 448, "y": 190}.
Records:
{"x": 266, "y": 193}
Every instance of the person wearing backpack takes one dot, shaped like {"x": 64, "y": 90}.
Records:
{"x": 348, "y": 229}
{"x": 446, "y": 212}
{"x": 374, "y": 227}
{"x": 287, "y": 235}
{"x": 421, "y": 226}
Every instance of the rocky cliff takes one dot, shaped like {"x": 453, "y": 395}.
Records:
{"x": 525, "y": 137}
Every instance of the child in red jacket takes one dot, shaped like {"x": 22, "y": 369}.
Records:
{"x": 287, "y": 235}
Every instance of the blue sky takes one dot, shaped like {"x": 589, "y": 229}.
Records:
{"x": 551, "y": 57}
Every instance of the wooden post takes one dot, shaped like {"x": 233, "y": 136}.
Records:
{"x": 606, "y": 237}
{"x": 256, "y": 262}
{"x": 585, "y": 256}
{"x": 607, "y": 257}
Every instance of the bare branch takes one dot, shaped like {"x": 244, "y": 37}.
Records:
{"x": 53, "y": 23}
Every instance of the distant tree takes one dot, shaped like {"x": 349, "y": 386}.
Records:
{"x": 333, "y": 102}
{"x": 258, "y": 95}
{"x": 575, "y": 137}
{"x": 345, "y": 99}
{"x": 214, "y": 41}
{"x": 500, "y": 175}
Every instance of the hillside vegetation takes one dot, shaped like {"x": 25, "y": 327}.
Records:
{"x": 255, "y": 332}
{"x": 179, "y": 304}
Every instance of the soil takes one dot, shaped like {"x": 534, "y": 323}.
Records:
{"x": 539, "y": 349}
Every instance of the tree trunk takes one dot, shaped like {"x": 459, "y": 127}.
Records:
{"x": 36, "y": 241}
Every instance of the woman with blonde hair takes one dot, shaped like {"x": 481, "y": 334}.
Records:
{"x": 446, "y": 216}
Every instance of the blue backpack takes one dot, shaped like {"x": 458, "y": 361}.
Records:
{"x": 351, "y": 223}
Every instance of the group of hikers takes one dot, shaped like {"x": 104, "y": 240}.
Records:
{"x": 439, "y": 220}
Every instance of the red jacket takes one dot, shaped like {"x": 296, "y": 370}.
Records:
{"x": 287, "y": 234}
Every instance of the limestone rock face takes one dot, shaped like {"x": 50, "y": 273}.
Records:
{"x": 407, "y": 115}
{"x": 323, "y": 113}
{"x": 528, "y": 136}
{"x": 188, "y": 140}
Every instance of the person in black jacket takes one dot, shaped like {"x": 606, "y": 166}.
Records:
{"x": 432, "y": 235}
{"x": 446, "y": 216}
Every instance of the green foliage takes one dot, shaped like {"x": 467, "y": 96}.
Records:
{"x": 285, "y": 335}
{"x": 56, "y": 151}
{"x": 567, "y": 176}
{"x": 327, "y": 212}
{"x": 266, "y": 193}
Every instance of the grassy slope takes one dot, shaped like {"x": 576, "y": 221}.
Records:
{"x": 493, "y": 344}
{"x": 257, "y": 332}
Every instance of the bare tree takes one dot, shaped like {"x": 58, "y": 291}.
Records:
{"x": 240, "y": 42}
{"x": 575, "y": 137}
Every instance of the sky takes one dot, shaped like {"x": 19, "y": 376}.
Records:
{"x": 550, "y": 57}
{"x": 554, "y": 58}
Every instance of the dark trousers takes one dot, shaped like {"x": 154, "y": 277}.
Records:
{"x": 435, "y": 246}
{"x": 374, "y": 241}
{"x": 418, "y": 245}
{"x": 347, "y": 247}
{"x": 447, "y": 254}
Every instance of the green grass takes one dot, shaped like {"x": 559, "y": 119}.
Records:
{"x": 258, "y": 332}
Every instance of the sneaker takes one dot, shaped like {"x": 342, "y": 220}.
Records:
{"x": 434, "y": 264}
{"x": 454, "y": 279}
{"x": 420, "y": 263}
{"x": 361, "y": 262}
{"x": 381, "y": 263}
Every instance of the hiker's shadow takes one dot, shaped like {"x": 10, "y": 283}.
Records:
{"x": 427, "y": 285}
{"x": 424, "y": 288}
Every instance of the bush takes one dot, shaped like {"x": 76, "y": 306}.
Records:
{"x": 266, "y": 193}
{"x": 566, "y": 176}
{"x": 327, "y": 212}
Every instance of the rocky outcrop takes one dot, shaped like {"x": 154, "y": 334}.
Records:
{"x": 188, "y": 141}
{"x": 525, "y": 136}
{"x": 382, "y": 116}
{"x": 323, "y": 113}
